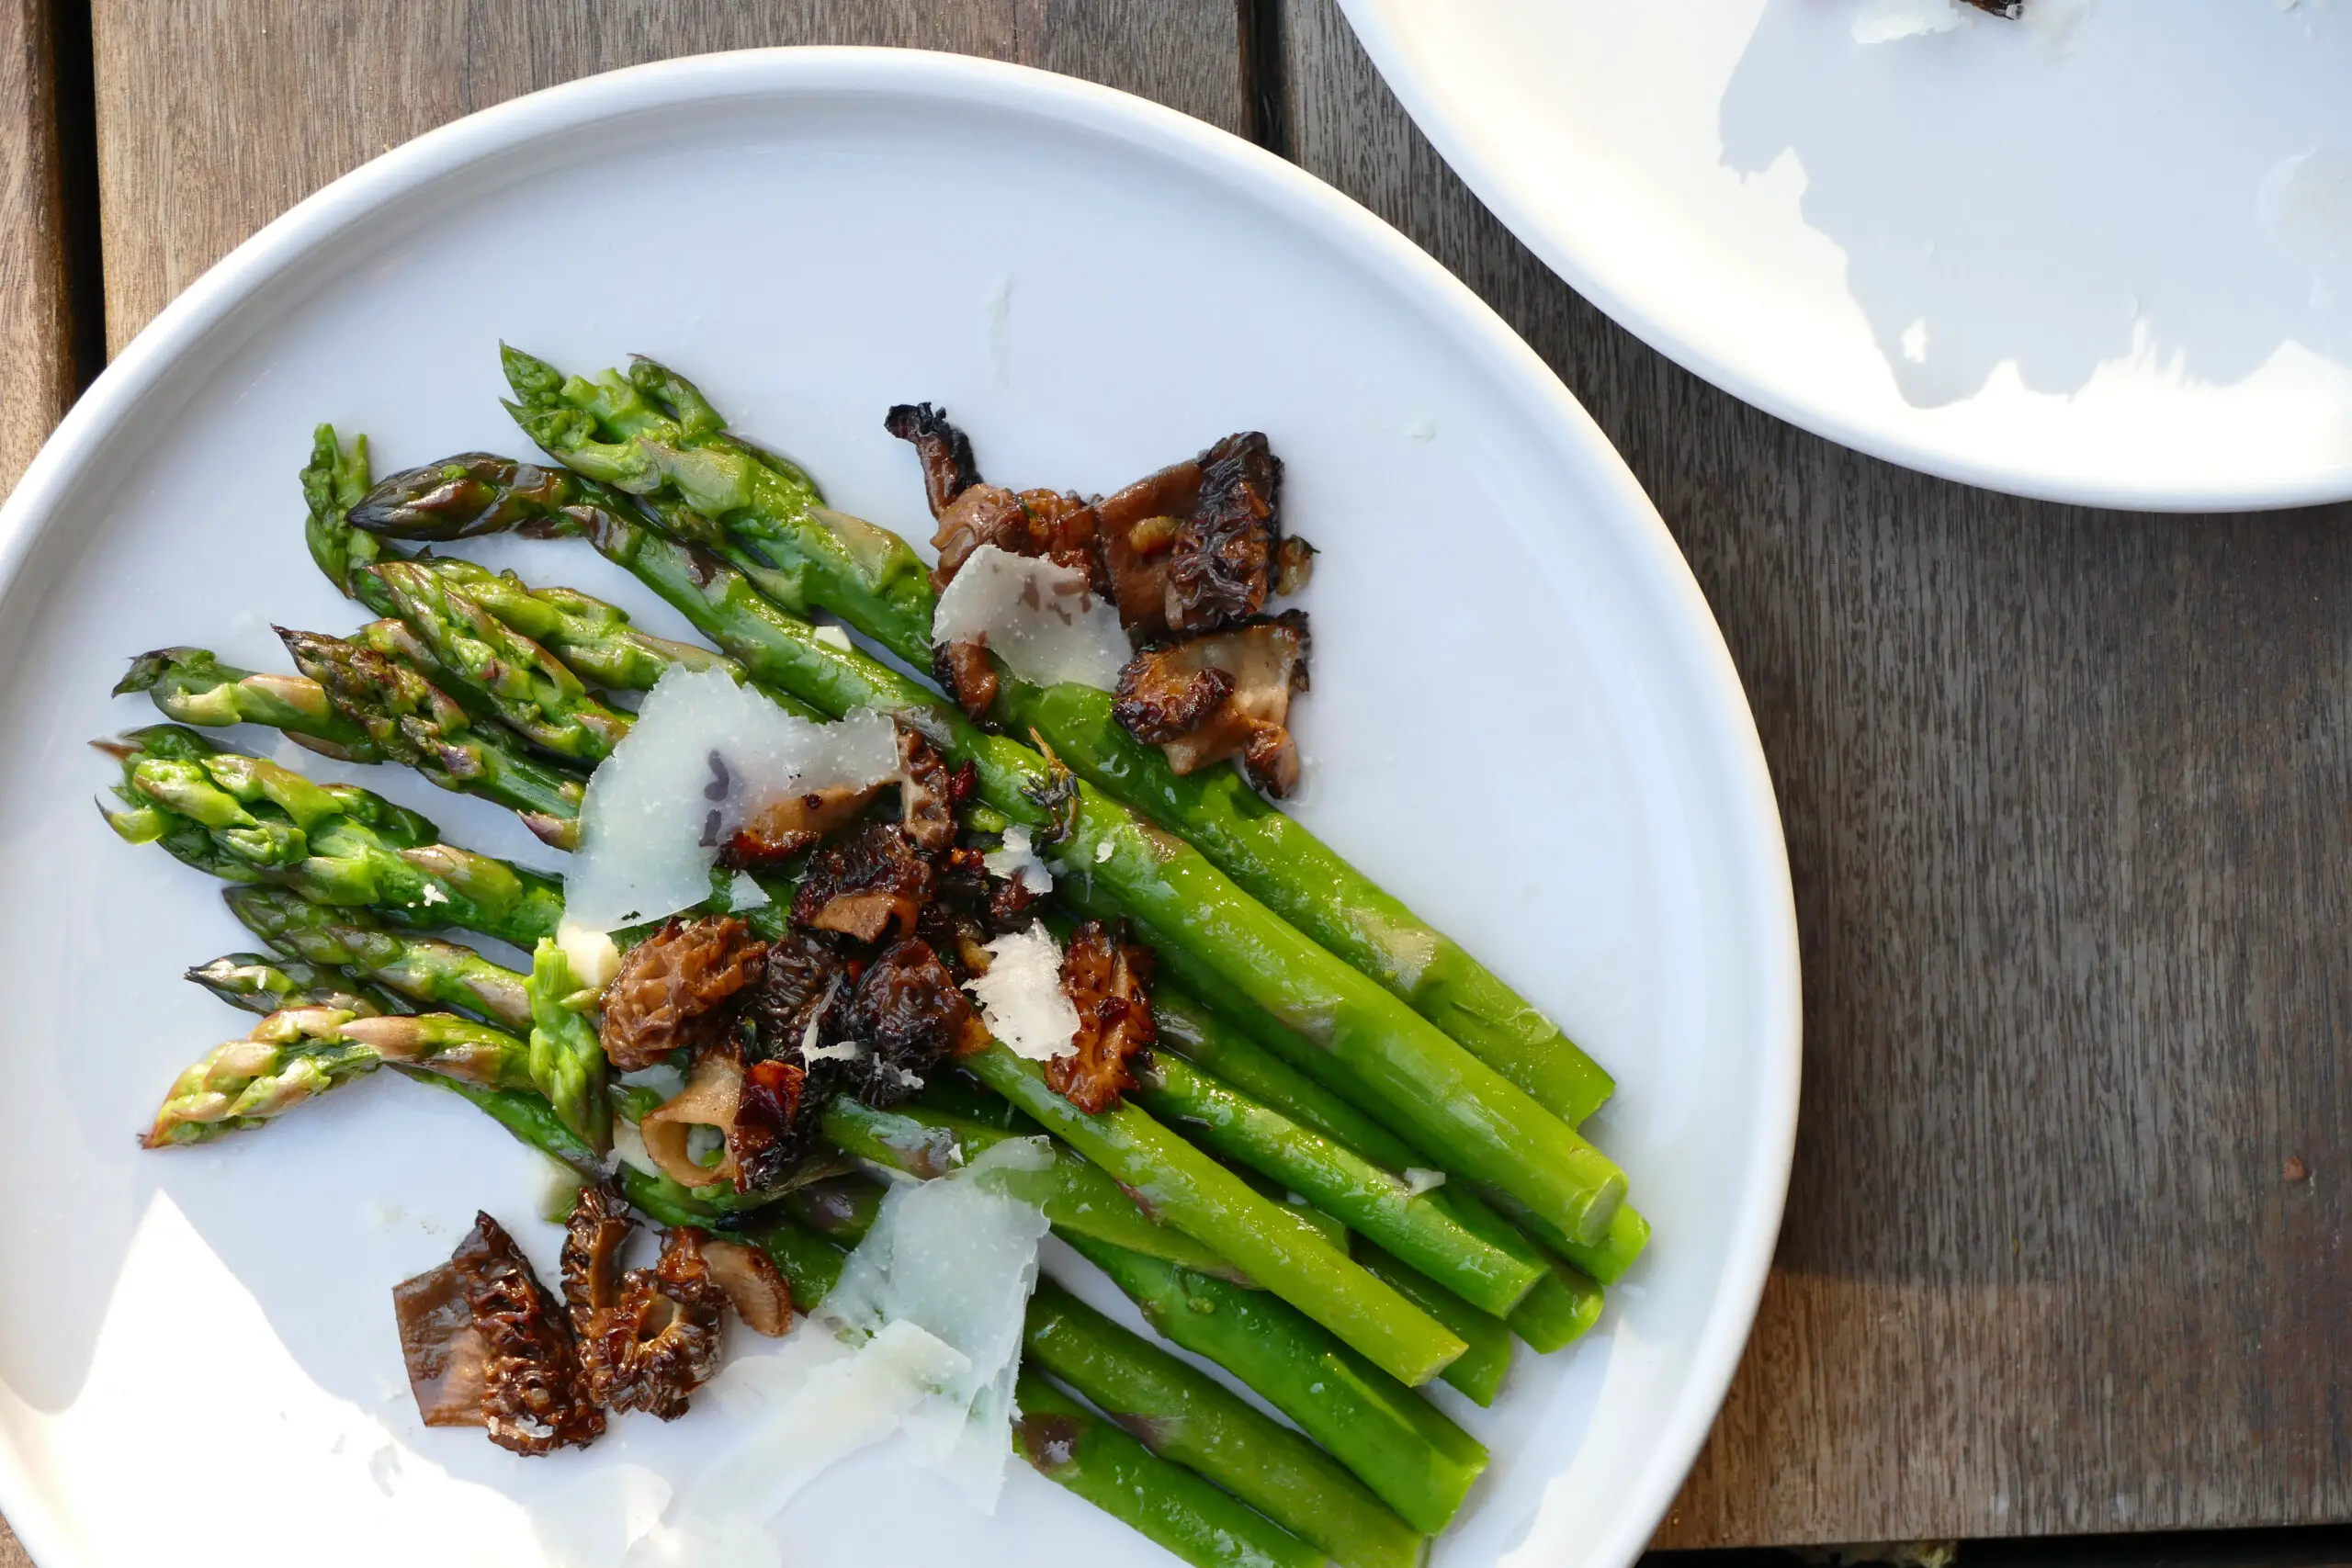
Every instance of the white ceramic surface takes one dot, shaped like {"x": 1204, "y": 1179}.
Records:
{"x": 2103, "y": 255}
{"x": 1523, "y": 720}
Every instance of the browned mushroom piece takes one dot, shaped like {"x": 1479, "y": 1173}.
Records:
{"x": 910, "y": 1015}
{"x": 1294, "y": 565}
{"x": 1105, "y": 977}
{"x": 965, "y": 672}
{"x": 926, "y": 794}
{"x": 752, "y": 1284}
{"x": 1221, "y": 694}
{"x": 446, "y": 1360}
{"x": 674, "y": 987}
{"x": 661, "y": 1338}
{"x": 944, "y": 451}
{"x": 865, "y": 885}
{"x": 534, "y": 1399}
{"x": 712, "y": 1098}
{"x": 777, "y": 1117}
{"x": 1195, "y": 546}
{"x": 782, "y": 829}
{"x": 983, "y": 515}
{"x": 593, "y": 1238}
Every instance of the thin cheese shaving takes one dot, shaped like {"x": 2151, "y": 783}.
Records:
{"x": 1021, "y": 995}
{"x": 1018, "y": 861}
{"x": 1045, "y": 621}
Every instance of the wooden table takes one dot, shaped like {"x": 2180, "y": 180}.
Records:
{"x": 2065, "y": 790}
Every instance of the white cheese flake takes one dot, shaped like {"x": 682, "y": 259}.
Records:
{"x": 1021, "y": 995}
{"x": 1045, "y": 621}
{"x": 834, "y": 637}
{"x": 1018, "y": 861}
{"x": 841, "y": 1051}
{"x": 745, "y": 892}
{"x": 1419, "y": 1180}
{"x": 703, "y": 755}
{"x": 593, "y": 958}
{"x": 1104, "y": 850}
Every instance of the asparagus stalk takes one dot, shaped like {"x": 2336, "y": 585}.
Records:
{"x": 421, "y": 968}
{"x": 1071, "y": 1447}
{"x": 259, "y": 983}
{"x": 407, "y": 719}
{"x": 1411, "y": 1456}
{"x": 358, "y": 850}
{"x": 300, "y": 1053}
{"x": 1184, "y": 1415}
{"x": 567, "y": 1061}
{"x": 1073, "y": 1194}
{"x": 1478, "y": 1372}
{"x": 1558, "y": 1310}
{"x": 1370, "y": 1201}
{"x": 592, "y": 639}
{"x": 191, "y": 685}
{"x": 1241, "y": 1043}
{"x": 1487, "y": 1127}
{"x": 1197, "y": 1195}
{"x": 654, "y": 434}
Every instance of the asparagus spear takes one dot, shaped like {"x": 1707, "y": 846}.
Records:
{"x": 300, "y": 1053}
{"x": 1562, "y": 1305}
{"x": 1071, "y": 1447}
{"x": 1370, "y": 1201}
{"x": 592, "y": 639}
{"x": 567, "y": 1061}
{"x": 406, "y": 718}
{"x": 1196, "y": 1194}
{"x": 1074, "y": 1194}
{"x": 1412, "y": 1458}
{"x": 1184, "y": 1415}
{"x": 1478, "y": 1371}
{"x": 193, "y": 687}
{"x": 260, "y": 983}
{"x": 366, "y": 852}
{"x": 1487, "y": 1126}
{"x": 653, "y": 433}
{"x": 438, "y": 974}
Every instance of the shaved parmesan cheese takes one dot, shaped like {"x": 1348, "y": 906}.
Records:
{"x": 1018, "y": 861}
{"x": 834, "y": 637}
{"x": 841, "y": 1051}
{"x": 1021, "y": 995}
{"x": 1419, "y": 1180}
{"x": 956, "y": 1257}
{"x": 1045, "y": 621}
{"x": 593, "y": 958}
{"x": 703, "y": 755}
{"x": 745, "y": 893}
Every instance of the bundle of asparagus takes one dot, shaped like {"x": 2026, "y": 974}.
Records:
{"x": 1352, "y": 1166}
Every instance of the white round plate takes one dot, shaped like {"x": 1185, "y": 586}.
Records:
{"x": 2102, "y": 254}
{"x": 1523, "y": 721}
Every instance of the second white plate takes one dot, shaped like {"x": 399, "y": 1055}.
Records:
{"x": 2101, "y": 254}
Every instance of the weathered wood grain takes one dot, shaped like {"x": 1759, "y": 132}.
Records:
{"x": 36, "y": 334}
{"x": 2066, "y": 799}
{"x": 214, "y": 116}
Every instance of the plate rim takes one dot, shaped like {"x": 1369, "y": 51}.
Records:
{"x": 119, "y": 395}
{"x": 1381, "y": 26}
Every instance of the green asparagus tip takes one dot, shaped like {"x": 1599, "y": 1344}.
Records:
{"x": 684, "y": 399}
{"x": 149, "y": 668}
{"x": 533, "y": 378}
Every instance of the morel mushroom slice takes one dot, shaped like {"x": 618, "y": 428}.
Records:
{"x": 598, "y": 1230}
{"x": 752, "y": 1284}
{"x": 865, "y": 885}
{"x": 712, "y": 1098}
{"x": 783, "y": 828}
{"x": 965, "y": 671}
{"x": 983, "y": 515}
{"x": 1222, "y": 694}
{"x": 945, "y": 452}
{"x": 776, "y": 1122}
{"x": 1105, "y": 977}
{"x": 925, "y": 793}
{"x": 534, "y": 1399}
{"x": 674, "y": 990}
{"x": 661, "y": 1340}
{"x": 910, "y": 1015}
{"x": 1220, "y": 562}
{"x": 799, "y": 1002}
{"x": 446, "y": 1360}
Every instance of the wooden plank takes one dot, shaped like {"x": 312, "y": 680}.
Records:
{"x": 2064, "y": 792}
{"x": 214, "y": 116}
{"x": 35, "y": 330}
